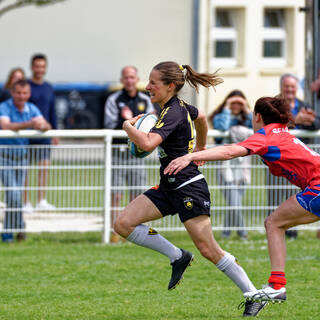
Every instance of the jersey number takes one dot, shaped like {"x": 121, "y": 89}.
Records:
{"x": 297, "y": 141}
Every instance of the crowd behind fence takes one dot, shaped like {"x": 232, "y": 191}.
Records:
{"x": 80, "y": 185}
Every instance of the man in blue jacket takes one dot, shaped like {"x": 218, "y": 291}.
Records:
{"x": 42, "y": 95}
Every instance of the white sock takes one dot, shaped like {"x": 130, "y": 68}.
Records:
{"x": 229, "y": 265}
{"x": 147, "y": 237}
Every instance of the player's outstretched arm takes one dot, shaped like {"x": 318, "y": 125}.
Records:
{"x": 226, "y": 152}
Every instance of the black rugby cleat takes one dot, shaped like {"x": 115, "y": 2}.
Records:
{"x": 179, "y": 267}
{"x": 252, "y": 308}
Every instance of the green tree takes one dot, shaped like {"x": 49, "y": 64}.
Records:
{"x": 8, "y": 5}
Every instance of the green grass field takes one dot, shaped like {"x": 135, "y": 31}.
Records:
{"x": 74, "y": 276}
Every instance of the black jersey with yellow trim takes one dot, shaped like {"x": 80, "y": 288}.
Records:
{"x": 175, "y": 126}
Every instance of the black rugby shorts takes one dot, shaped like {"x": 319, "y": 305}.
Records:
{"x": 189, "y": 201}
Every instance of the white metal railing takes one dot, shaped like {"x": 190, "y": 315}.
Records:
{"x": 84, "y": 185}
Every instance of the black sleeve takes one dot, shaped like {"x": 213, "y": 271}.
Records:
{"x": 193, "y": 111}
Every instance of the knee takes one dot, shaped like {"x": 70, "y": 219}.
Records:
{"x": 271, "y": 223}
{"x": 267, "y": 223}
{"x": 122, "y": 226}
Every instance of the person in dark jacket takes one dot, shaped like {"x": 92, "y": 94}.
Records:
{"x": 42, "y": 95}
{"x": 121, "y": 106}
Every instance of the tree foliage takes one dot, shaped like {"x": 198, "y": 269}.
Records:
{"x": 9, "y": 5}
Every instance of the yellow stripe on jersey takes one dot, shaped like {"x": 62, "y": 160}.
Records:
{"x": 160, "y": 123}
{"x": 191, "y": 141}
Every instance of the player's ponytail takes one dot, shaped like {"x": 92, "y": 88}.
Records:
{"x": 171, "y": 72}
{"x": 274, "y": 110}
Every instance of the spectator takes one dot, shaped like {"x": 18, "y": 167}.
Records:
{"x": 16, "y": 114}
{"x": 14, "y": 75}
{"x": 305, "y": 118}
{"x": 42, "y": 95}
{"x": 120, "y": 106}
{"x": 234, "y": 114}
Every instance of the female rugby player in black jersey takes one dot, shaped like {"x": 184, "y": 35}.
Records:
{"x": 187, "y": 193}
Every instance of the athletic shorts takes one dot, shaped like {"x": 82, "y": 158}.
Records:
{"x": 309, "y": 199}
{"x": 190, "y": 201}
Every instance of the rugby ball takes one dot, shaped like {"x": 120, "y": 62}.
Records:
{"x": 144, "y": 124}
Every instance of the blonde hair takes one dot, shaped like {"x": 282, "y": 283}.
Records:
{"x": 8, "y": 85}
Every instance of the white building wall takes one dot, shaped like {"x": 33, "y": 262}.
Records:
{"x": 251, "y": 77}
{"x": 92, "y": 40}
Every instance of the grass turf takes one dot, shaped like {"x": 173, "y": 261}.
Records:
{"x": 73, "y": 276}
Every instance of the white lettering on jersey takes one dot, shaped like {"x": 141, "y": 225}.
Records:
{"x": 297, "y": 141}
{"x": 278, "y": 130}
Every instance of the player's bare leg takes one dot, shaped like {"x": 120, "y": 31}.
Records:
{"x": 289, "y": 214}
{"x": 129, "y": 224}
{"x": 200, "y": 230}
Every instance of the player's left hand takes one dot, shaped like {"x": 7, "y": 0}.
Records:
{"x": 177, "y": 165}
{"x": 132, "y": 121}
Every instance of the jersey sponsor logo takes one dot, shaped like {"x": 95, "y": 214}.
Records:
{"x": 141, "y": 106}
{"x": 290, "y": 175}
{"x": 152, "y": 232}
{"x": 206, "y": 203}
{"x": 161, "y": 152}
{"x": 302, "y": 202}
{"x": 188, "y": 203}
{"x": 181, "y": 103}
{"x": 171, "y": 180}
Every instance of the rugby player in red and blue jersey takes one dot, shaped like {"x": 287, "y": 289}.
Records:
{"x": 286, "y": 156}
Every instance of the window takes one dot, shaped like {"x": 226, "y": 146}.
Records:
{"x": 224, "y": 38}
{"x": 274, "y": 38}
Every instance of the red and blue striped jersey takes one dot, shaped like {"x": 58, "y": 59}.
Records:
{"x": 285, "y": 155}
